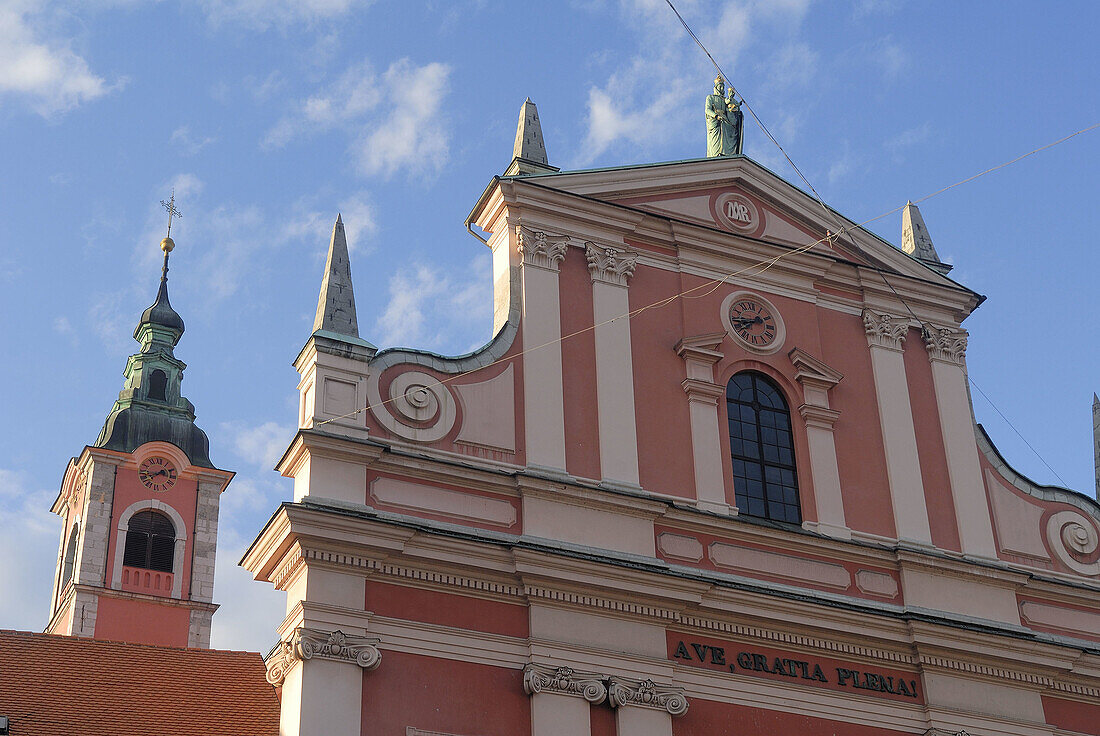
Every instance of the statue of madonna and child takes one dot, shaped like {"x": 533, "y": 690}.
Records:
{"x": 725, "y": 122}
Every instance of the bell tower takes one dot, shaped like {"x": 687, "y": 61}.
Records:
{"x": 140, "y": 505}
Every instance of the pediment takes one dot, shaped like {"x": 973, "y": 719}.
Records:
{"x": 741, "y": 197}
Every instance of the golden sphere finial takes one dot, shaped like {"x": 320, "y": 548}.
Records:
{"x": 167, "y": 245}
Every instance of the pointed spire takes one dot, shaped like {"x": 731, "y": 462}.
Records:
{"x": 336, "y": 303}
{"x": 529, "y": 151}
{"x": 1096, "y": 439}
{"x": 916, "y": 241}
{"x": 160, "y": 312}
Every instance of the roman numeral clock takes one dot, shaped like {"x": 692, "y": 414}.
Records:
{"x": 754, "y": 322}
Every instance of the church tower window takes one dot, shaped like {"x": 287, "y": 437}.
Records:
{"x": 150, "y": 542}
{"x": 158, "y": 382}
{"x": 765, "y": 481}
{"x": 70, "y": 559}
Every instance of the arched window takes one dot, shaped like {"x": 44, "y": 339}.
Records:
{"x": 150, "y": 541}
{"x": 764, "y": 479}
{"x": 158, "y": 382}
{"x": 69, "y": 561}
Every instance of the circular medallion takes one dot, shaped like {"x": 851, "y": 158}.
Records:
{"x": 754, "y": 322}
{"x": 737, "y": 212}
{"x": 157, "y": 473}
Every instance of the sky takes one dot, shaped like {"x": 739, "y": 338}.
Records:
{"x": 269, "y": 117}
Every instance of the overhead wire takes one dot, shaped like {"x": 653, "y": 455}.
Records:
{"x": 712, "y": 284}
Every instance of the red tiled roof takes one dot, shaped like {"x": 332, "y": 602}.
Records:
{"x": 69, "y": 686}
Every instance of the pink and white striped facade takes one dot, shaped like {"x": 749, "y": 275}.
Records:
{"x": 543, "y": 537}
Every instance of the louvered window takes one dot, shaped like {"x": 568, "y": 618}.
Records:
{"x": 150, "y": 541}
{"x": 762, "y": 449}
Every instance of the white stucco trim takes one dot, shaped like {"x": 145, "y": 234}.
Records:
{"x": 177, "y": 554}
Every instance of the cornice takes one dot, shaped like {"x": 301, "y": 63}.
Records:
{"x": 619, "y": 501}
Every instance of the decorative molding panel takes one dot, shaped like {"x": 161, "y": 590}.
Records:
{"x": 680, "y": 547}
{"x": 452, "y": 504}
{"x": 885, "y": 330}
{"x": 945, "y": 343}
{"x": 877, "y": 583}
{"x": 610, "y": 265}
{"x": 647, "y": 694}
{"x": 539, "y": 678}
{"x": 781, "y": 566}
{"x": 305, "y": 644}
{"x": 540, "y": 249}
{"x": 489, "y": 412}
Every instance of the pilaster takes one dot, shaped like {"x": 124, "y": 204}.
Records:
{"x": 321, "y": 674}
{"x": 885, "y": 335}
{"x": 947, "y": 353}
{"x": 90, "y": 567}
{"x": 205, "y": 543}
{"x": 611, "y": 269}
{"x": 644, "y": 708}
{"x": 561, "y": 698}
{"x": 700, "y": 354}
{"x": 543, "y": 394}
{"x": 817, "y": 379}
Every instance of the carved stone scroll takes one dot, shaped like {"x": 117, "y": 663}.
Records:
{"x": 540, "y": 249}
{"x": 945, "y": 343}
{"x": 885, "y": 330}
{"x": 305, "y": 644}
{"x": 647, "y": 694}
{"x": 538, "y": 678}
{"x": 610, "y": 265}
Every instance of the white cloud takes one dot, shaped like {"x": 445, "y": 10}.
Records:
{"x": 309, "y": 223}
{"x": 28, "y": 548}
{"x": 64, "y": 327}
{"x": 44, "y": 72}
{"x": 109, "y": 323}
{"x": 264, "y": 14}
{"x": 188, "y": 143}
{"x": 395, "y": 115}
{"x": 652, "y": 97}
{"x": 261, "y": 445}
{"x": 794, "y": 65}
{"x": 888, "y": 55}
{"x": 437, "y": 310}
{"x": 907, "y": 139}
{"x": 250, "y": 611}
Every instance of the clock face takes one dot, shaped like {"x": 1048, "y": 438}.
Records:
{"x": 157, "y": 473}
{"x": 752, "y": 321}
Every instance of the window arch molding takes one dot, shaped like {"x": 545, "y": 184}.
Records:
{"x": 178, "y": 552}
{"x": 792, "y": 396}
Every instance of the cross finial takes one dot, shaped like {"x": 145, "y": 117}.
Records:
{"x": 170, "y": 205}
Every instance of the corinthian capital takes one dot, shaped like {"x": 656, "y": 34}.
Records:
{"x": 539, "y": 678}
{"x": 540, "y": 249}
{"x": 885, "y": 330}
{"x": 610, "y": 265}
{"x": 305, "y": 644}
{"x": 945, "y": 343}
{"x": 647, "y": 694}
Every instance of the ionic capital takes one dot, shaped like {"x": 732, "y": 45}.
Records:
{"x": 646, "y": 694}
{"x": 540, "y": 249}
{"x": 539, "y": 678}
{"x": 885, "y": 330}
{"x": 305, "y": 644}
{"x": 610, "y": 265}
{"x": 945, "y": 343}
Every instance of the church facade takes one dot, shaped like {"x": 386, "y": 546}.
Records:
{"x": 717, "y": 472}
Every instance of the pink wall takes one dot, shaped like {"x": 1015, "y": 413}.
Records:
{"x": 710, "y": 718}
{"x": 436, "y": 694}
{"x": 1072, "y": 715}
{"x": 459, "y": 611}
{"x": 861, "y": 457}
{"x": 578, "y": 358}
{"x": 142, "y": 622}
{"x": 665, "y": 463}
{"x": 933, "y": 456}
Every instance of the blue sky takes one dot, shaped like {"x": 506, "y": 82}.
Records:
{"x": 269, "y": 117}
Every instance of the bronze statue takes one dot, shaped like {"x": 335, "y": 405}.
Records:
{"x": 724, "y": 122}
